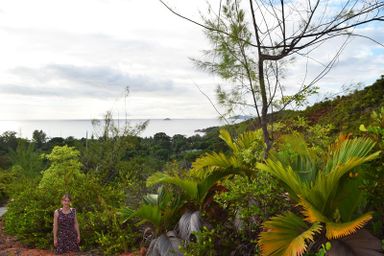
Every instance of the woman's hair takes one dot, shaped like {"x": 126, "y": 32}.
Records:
{"x": 66, "y": 196}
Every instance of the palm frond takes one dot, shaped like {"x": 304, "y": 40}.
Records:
{"x": 248, "y": 138}
{"x": 188, "y": 186}
{"x": 210, "y": 162}
{"x": 151, "y": 199}
{"x": 148, "y": 213}
{"x": 337, "y": 230}
{"x": 334, "y": 230}
{"x": 285, "y": 174}
{"x": 287, "y": 235}
{"x": 311, "y": 214}
{"x": 226, "y": 137}
{"x": 208, "y": 182}
{"x": 327, "y": 183}
{"x": 348, "y": 150}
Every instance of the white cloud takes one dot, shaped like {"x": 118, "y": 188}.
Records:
{"x": 73, "y": 59}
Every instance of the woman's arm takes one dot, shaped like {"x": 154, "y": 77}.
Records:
{"x": 55, "y": 216}
{"x": 77, "y": 228}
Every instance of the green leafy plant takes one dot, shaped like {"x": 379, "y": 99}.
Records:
{"x": 30, "y": 210}
{"x": 324, "y": 189}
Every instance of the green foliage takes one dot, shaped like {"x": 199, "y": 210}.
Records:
{"x": 232, "y": 57}
{"x": 30, "y": 210}
{"x": 322, "y": 251}
{"x": 8, "y": 141}
{"x": 161, "y": 210}
{"x": 245, "y": 151}
{"x": 373, "y": 181}
{"x": 64, "y": 172}
{"x": 346, "y": 113}
{"x": 250, "y": 202}
{"x": 204, "y": 244}
{"x": 325, "y": 193}
{"x": 27, "y": 158}
{"x": 6, "y": 178}
{"x": 39, "y": 138}
{"x": 102, "y": 156}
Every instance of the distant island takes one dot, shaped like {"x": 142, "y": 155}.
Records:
{"x": 240, "y": 117}
{"x": 167, "y": 119}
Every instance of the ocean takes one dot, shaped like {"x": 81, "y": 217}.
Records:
{"x": 82, "y": 128}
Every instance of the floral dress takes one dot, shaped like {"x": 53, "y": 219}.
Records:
{"x": 67, "y": 235}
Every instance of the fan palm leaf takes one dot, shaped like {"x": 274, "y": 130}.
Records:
{"x": 322, "y": 196}
{"x": 285, "y": 174}
{"x": 287, "y": 235}
{"x": 334, "y": 230}
{"x": 338, "y": 230}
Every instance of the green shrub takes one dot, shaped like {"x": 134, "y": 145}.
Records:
{"x": 30, "y": 211}
{"x": 6, "y": 177}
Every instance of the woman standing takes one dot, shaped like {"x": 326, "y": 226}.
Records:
{"x": 66, "y": 234}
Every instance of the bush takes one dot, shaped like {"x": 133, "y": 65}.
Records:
{"x": 30, "y": 212}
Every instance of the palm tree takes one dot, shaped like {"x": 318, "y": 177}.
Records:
{"x": 326, "y": 189}
{"x": 241, "y": 161}
{"x": 160, "y": 210}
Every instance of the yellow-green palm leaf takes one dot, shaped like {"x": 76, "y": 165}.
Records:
{"x": 287, "y": 235}
{"x": 334, "y": 230}
{"x": 187, "y": 185}
{"x": 212, "y": 162}
{"x": 215, "y": 162}
{"x": 285, "y": 174}
{"x": 338, "y": 230}
{"x": 312, "y": 215}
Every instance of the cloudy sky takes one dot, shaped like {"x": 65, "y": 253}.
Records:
{"x": 75, "y": 60}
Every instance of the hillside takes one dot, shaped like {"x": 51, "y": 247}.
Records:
{"x": 346, "y": 112}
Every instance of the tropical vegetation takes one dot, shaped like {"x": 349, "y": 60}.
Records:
{"x": 319, "y": 192}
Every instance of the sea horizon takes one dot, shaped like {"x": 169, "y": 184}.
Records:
{"x": 82, "y": 128}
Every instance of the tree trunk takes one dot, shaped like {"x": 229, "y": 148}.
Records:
{"x": 264, "y": 108}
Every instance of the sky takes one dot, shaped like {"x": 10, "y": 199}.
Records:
{"x": 75, "y": 60}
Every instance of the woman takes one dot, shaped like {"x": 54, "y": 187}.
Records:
{"x": 66, "y": 234}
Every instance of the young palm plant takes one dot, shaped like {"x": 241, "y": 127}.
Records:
{"x": 160, "y": 210}
{"x": 326, "y": 190}
{"x": 240, "y": 161}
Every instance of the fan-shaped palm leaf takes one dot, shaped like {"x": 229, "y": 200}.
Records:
{"x": 338, "y": 230}
{"x": 285, "y": 174}
{"x": 295, "y": 153}
{"x": 349, "y": 149}
{"x": 286, "y": 235}
{"x": 334, "y": 230}
{"x": 319, "y": 196}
